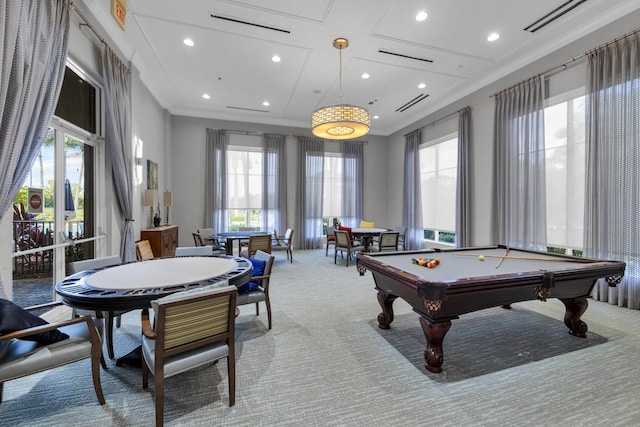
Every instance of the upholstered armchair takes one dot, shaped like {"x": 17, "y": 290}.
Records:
{"x": 29, "y": 345}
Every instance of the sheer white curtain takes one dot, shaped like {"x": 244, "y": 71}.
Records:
{"x": 31, "y": 76}
{"x": 463, "y": 196}
{"x": 215, "y": 184}
{"x": 274, "y": 183}
{"x": 612, "y": 199}
{"x": 411, "y": 193}
{"x": 519, "y": 192}
{"x": 117, "y": 87}
{"x": 352, "y": 181}
{"x": 309, "y": 194}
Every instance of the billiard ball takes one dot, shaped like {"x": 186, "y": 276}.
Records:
{"x": 481, "y": 258}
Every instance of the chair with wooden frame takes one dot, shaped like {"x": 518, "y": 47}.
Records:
{"x": 197, "y": 239}
{"x": 260, "y": 293}
{"x": 331, "y": 239}
{"x": 109, "y": 316}
{"x": 20, "y": 356}
{"x": 283, "y": 243}
{"x": 257, "y": 242}
{"x": 143, "y": 250}
{"x": 170, "y": 348}
{"x": 206, "y": 237}
{"x": 386, "y": 241}
{"x": 402, "y": 231}
{"x": 345, "y": 244}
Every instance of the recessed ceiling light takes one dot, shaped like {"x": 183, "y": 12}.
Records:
{"x": 265, "y": 103}
{"x": 275, "y": 58}
{"x": 422, "y": 86}
{"x": 421, "y": 16}
{"x": 365, "y": 75}
{"x": 188, "y": 42}
{"x": 206, "y": 96}
{"x": 376, "y": 117}
{"x": 493, "y": 37}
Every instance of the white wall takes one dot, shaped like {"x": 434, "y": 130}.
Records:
{"x": 187, "y": 158}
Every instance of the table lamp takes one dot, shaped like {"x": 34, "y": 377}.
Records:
{"x": 150, "y": 199}
{"x": 167, "y": 205}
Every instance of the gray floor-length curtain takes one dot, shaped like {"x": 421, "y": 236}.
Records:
{"x": 352, "y": 182}
{"x": 215, "y": 184}
{"x": 612, "y": 199}
{"x": 411, "y": 193}
{"x": 309, "y": 194}
{"x": 30, "y": 80}
{"x": 519, "y": 193}
{"x": 116, "y": 78}
{"x": 463, "y": 189}
{"x": 274, "y": 183}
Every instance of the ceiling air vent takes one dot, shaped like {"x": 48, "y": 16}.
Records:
{"x": 415, "y": 58}
{"x": 252, "y": 24}
{"x": 247, "y": 109}
{"x": 411, "y": 103}
{"x": 553, "y": 15}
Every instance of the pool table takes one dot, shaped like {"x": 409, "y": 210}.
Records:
{"x": 471, "y": 279}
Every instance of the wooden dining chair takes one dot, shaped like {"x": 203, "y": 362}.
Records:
{"x": 257, "y": 242}
{"x": 259, "y": 292}
{"x": 387, "y": 241}
{"x": 345, "y": 244}
{"x": 143, "y": 250}
{"x": 191, "y": 329}
{"x": 109, "y": 316}
{"x": 331, "y": 239}
{"x": 284, "y": 243}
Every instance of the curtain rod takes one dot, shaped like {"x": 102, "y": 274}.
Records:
{"x": 435, "y": 122}
{"x": 254, "y": 133}
{"x": 563, "y": 66}
{"x": 86, "y": 23}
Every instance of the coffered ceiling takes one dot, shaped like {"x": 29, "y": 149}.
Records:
{"x": 235, "y": 40}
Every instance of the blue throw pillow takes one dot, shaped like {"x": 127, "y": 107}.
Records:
{"x": 258, "y": 270}
{"x": 14, "y": 318}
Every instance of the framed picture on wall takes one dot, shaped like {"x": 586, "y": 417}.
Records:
{"x": 152, "y": 175}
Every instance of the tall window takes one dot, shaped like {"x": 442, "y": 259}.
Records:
{"x": 244, "y": 187}
{"x": 438, "y": 169}
{"x": 564, "y": 121}
{"x": 332, "y": 189}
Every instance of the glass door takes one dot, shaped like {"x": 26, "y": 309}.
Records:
{"x": 54, "y": 208}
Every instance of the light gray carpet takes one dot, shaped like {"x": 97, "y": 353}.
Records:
{"x": 326, "y": 363}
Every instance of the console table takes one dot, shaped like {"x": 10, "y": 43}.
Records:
{"x": 163, "y": 240}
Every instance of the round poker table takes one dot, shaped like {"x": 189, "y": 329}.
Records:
{"x": 134, "y": 285}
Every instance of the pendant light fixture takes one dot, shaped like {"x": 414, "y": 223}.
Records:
{"x": 340, "y": 121}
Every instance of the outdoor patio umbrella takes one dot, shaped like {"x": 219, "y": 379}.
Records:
{"x": 69, "y": 208}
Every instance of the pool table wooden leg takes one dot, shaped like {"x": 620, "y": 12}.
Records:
{"x": 386, "y": 303}
{"x": 575, "y": 307}
{"x": 434, "y": 333}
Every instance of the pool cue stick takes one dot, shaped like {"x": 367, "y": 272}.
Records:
{"x": 503, "y": 257}
{"x": 584, "y": 261}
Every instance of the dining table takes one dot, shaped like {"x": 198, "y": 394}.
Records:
{"x": 231, "y": 236}
{"x": 366, "y": 234}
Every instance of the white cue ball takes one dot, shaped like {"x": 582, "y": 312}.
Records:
{"x": 481, "y": 258}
